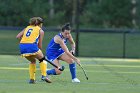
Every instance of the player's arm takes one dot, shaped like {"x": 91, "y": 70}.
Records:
{"x": 40, "y": 39}
{"x": 58, "y": 40}
{"x": 20, "y": 34}
{"x": 72, "y": 44}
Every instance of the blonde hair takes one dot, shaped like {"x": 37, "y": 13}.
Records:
{"x": 35, "y": 21}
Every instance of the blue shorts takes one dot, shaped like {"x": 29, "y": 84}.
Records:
{"x": 29, "y": 49}
{"x": 52, "y": 55}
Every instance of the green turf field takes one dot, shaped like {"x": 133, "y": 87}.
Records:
{"x": 105, "y": 76}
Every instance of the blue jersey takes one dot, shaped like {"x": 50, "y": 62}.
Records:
{"x": 54, "y": 50}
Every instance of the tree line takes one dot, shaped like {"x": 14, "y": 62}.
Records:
{"x": 92, "y": 13}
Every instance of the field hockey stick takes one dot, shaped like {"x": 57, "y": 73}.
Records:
{"x": 82, "y": 69}
{"x": 60, "y": 68}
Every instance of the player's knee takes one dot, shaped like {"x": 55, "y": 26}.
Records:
{"x": 70, "y": 61}
{"x": 58, "y": 72}
{"x": 33, "y": 62}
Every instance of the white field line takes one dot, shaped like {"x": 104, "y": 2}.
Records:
{"x": 94, "y": 71}
{"x": 90, "y": 65}
{"x": 110, "y": 59}
{"x": 13, "y": 68}
{"x": 95, "y": 65}
{"x": 86, "y": 58}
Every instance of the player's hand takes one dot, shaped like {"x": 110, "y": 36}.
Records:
{"x": 78, "y": 61}
{"x": 72, "y": 52}
{"x": 61, "y": 68}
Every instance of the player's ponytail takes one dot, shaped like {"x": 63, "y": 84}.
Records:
{"x": 35, "y": 21}
{"x": 66, "y": 27}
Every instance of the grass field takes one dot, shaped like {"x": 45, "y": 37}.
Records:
{"x": 105, "y": 76}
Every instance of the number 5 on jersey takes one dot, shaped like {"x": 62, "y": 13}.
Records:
{"x": 29, "y": 32}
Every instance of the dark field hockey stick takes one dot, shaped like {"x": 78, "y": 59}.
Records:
{"x": 82, "y": 69}
{"x": 60, "y": 68}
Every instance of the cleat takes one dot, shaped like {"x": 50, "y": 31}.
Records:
{"x": 75, "y": 80}
{"x": 45, "y": 78}
{"x": 32, "y": 81}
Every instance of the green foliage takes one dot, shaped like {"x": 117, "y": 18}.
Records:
{"x": 108, "y": 13}
{"x": 93, "y": 13}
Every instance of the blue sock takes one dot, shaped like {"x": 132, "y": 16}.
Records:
{"x": 72, "y": 68}
{"x": 51, "y": 72}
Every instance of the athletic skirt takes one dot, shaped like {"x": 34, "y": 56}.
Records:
{"x": 53, "y": 54}
{"x": 28, "y": 49}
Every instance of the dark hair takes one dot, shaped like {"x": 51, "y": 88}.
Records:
{"x": 66, "y": 27}
{"x": 35, "y": 21}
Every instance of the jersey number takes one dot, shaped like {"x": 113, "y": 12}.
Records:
{"x": 29, "y": 32}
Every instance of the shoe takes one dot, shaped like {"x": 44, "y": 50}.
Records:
{"x": 45, "y": 78}
{"x": 32, "y": 81}
{"x": 75, "y": 80}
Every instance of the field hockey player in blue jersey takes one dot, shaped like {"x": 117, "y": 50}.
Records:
{"x": 57, "y": 50}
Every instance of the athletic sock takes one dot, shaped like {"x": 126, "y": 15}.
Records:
{"x": 43, "y": 67}
{"x": 51, "y": 72}
{"x": 72, "y": 68}
{"x": 32, "y": 70}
